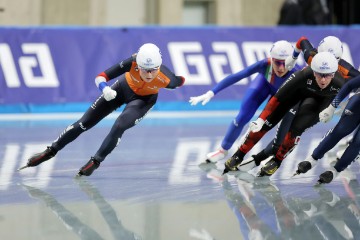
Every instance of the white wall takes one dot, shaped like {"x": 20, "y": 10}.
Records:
{"x": 133, "y": 13}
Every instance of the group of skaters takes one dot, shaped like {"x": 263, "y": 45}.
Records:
{"x": 298, "y": 99}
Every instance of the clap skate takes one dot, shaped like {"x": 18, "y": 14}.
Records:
{"x": 216, "y": 156}
{"x": 327, "y": 177}
{"x": 270, "y": 167}
{"x": 39, "y": 158}
{"x": 88, "y": 168}
{"x": 232, "y": 163}
{"x": 305, "y": 166}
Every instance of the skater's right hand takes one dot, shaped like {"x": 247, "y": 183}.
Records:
{"x": 256, "y": 125}
{"x": 108, "y": 93}
{"x": 205, "y": 98}
{"x": 290, "y": 62}
{"x": 327, "y": 114}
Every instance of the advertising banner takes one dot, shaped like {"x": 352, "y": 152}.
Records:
{"x": 55, "y": 67}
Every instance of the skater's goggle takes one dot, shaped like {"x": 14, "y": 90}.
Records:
{"x": 324, "y": 75}
{"x": 279, "y": 62}
{"x": 149, "y": 70}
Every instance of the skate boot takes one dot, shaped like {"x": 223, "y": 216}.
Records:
{"x": 270, "y": 167}
{"x": 89, "y": 167}
{"x": 216, "y": 156}
{"x": 306, "y": 165}
{"x": 328, "y": 176}
{"x": 39, "y": 158}
{"x": 232, "y": 163}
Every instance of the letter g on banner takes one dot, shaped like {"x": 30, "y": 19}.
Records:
{"x": 190, "y": 60}
{"x": 39, "y": 57}
{"x": 185, "y": 54}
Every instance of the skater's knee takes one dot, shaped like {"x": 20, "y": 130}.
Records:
{"x": 227, "y": 144}
{"x": 83, "y": 127}
{"x": 80, "y": 126}
{"x": 125, "y": 121}
{"x": 295, "y": 131}
{"x": 240, "y": 122}
{"x": 120, "y": 127}
{"x": 243, "y": 117}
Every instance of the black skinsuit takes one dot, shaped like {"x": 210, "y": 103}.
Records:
{"x": 345, "y": 69}
{"x": 300, "y": 88}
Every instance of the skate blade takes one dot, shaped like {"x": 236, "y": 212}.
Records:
{"x": 247, "y": 166}
{"x": 21, "y": 168}
{"x": 78, "y": 175}
{"x": 209, "y": 161}
{"x": 225, "y": 171}
{"x": 295, "y": 174}
{"x": 261, "y": 174}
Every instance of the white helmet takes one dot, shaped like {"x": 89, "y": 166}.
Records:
{"x": 148, "y": 56}
{"x": 281, "y": 50}
{"x": 331, "y": 44}
{"x": 324, "y": 62}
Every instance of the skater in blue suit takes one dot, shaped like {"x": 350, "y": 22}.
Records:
{"x": 271, "y": 74}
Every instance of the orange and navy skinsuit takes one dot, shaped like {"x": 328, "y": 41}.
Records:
{"x": 138, "y": 95}
{"x": 165, "y": 79}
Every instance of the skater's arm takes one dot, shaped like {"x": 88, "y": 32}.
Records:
{"x": 236, "y": 77}
{"x": 175, "y": 81}
{"x": 113, "y": 72}
{"x": 347, "y": 70}
{"x": 307, "y": 48}
{"x": 262, "y": 66}
{"x": 345, "y": 90}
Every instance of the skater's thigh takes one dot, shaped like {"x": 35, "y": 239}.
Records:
{"x": 97, "y": 111}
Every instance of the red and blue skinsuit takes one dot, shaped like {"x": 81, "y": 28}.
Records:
{"x": 264, "y": 85}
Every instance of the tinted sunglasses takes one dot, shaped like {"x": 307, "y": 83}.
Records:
{"x": 279, "y": 62}
{"x": 324, "y": 75}
{"x": 149, "y": 70}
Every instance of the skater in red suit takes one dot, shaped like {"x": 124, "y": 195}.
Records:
{"x": 313, "y": 88}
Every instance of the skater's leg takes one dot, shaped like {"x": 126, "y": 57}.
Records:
{"x": 133, "y": 113}
{"x": 251, "y": 102}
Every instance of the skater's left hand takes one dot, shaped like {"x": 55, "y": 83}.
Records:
{"x": 327, "y": 114}
{"x": 205, "y": 98}
{"x": 256, "y": 126}
{"x": 109, "y": 94}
